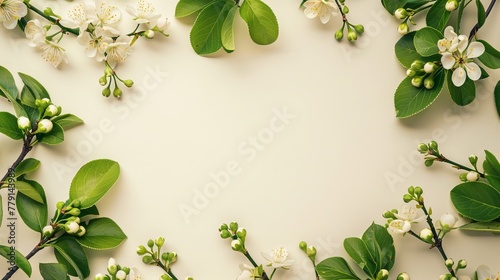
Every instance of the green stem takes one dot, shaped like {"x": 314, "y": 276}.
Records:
{"x": 457, "y": 165}
{"x": 264, "y": 275}
{"x": 74, "y": 31}
{"x": 167, "y": 270}
{"x": 344, "y": 17}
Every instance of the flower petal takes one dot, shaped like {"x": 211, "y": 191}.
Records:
{"x": 449, "y": 34}
{"x": 473, "y": 71}
{"x": 483, "y": 272}
{"x": 448, "y": 60}
{"x": 458, "y": 77}
{"x": 475, "y": 49}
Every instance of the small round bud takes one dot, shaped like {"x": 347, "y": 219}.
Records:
{"x": 311, "y": 252}
{"x": 451, "y": 5}
{"x": 462, "y": 264}
{"x": 126, "y": 269}
{"x": 128, "y": 83}
{"x": 403, "y": 276}
{"x": 71, "y": 227}
{"x": 225, "y": 233}
{"x": 103, "y": 80}
{"x": 473, "y": 159}
{"x": 60, "y": 205}
{"x": 149, "y": 34}
{"x": 23, "y": 123}
{"x": 74, "y": 212}
{"x": 76, "y": 203}
{"x": 51, "y": 110}
{"x": 411, "y": 73}
{"x": 121, "y": 275}
{"x": 449, "y": 263}
{"x": 401, "y": 13}
{"x": 345, "y": 10}
{"x": 159, "y": 241}
{"x": 407, "y": 198}
{"x": 472, "y": 176}
{"x": 429, "y": 83}
{"x": 411, "y": 190}
{"x": 165, "y": 277}
{"x": 426, "y": 235}
{"x": 172, "y": 257}
{"x": 47, "y": 230}
{"x": 417, "y": 65}
{"x": 117, "y": 92}
{"x": 303, "y": 246}
{"x": 447, "y": 222}
{"x": 388, "y": 215}
{"x": 430, "y": 67}
{"x": 106, "y": 92}
{"x": 339, "y": 34}
{"x": 423, "y": 148}
{"x": 112, "y": 266}
{"x": 463, "y": 177}
{"x": 359, "y": 28}
{"x": 433, "y": 145}
{"x": 352, "y": 35}
{"x": 233, "y": 226}
{"x": 81, "y": 231}
{"x": 403, "y": 28}
{"x": 383, "y": 274}
{"x": 417, "y": 81}
{"x": 44, "y": 126}
{"x": 237, "y": 245}
{"x": 99, "y": 277}
{"x": 429, "y": 162}
{"x": 147, "y": 259}
{"x": 141, "y": 250}
{"x": 151, "y": 243}
{"x": 418, "y": 191}
{"x": 189, "y": 278}
{"x": 223, "y": 227}
{"x": 241, "y": 233}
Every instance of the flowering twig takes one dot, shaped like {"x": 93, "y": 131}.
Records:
{"x": 476, "y": 27}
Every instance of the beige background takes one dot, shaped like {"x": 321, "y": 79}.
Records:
{"x": 324, "y": 173}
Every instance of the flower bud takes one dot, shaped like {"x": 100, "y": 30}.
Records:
{"x": 81, "y": 231}
{"x": 422, "y": 148}
{"x": 117, "y": 92}
{"x": 411, "y": 73}
{"x": 447, "y": 221}
{"x": 99, "y": 277}
{"x": 151, "y": 243}
{"x": 149, "y": 34}
{"x": 237, "y": 245}
{"x": 311, "y": 252}
{"x": 172, "y": 257}
{"x": 126, "y": 269}
{"x": 403, "y": 276}
{"x": 233, "y": 226}
{"x": 112, "y": 266}
{"x": 23, "y": 123}
{"x": 159, "y": 241}
{"x": 241, "y": 233}
{"x": 189, "y": 278}
{"x": 429, "y": 83}
{"x": 128, "y": 83}
{"x": 430, "y": 67}
{"x": 165, "y": 277}
{"x": 401, "y": 13}
{"x": 417, "y": 65}
{"x": 60, "y": 205}
{"x": 449, "y": 263}
{"x": 48, "y": 12}
{"x": 223, "y": 227}
{"x": 417, "y": 81}
{"x": 359, "y": 28}
{"x": 451, "y": 5}
{"x": 403, "y": 28}
{"x": 426, "y": 235}
{"x": 345, "y": 10}
{"x": 51, "y": 110}
{"x": 407, "y": 198}
{"x": 383, "y": 274}
{"x": 141, "y": 250}
{"x": 339, "y": 34}
{"x": 71, "y": 227}
{"x": 352, "y": 35}
{"x": 388, "y": 215}
{"x": 411, "y": 190}
{"x": 121, "y": 275}
{"x": 462, "y": 264}
{"x": 147, "y": 259}
{"x": 106, "y": 92}
{"x": 74, "y": 212}
{"x": 429, "y": 162}
{"x": 303, "y": 246}
{"x": 44, "y": 126}
{"x": 433, "y": 145}
{"x": 103, "y": 80}
{"x": 47, "y": 230}
{"x": 472, "y": 176}
{"x": 463, "y": 177}
{"x": 225, "y": 233}
{"x": 418, "y": 191}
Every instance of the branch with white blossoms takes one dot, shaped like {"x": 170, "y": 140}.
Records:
{"x": 119, "y": 272}
{"x": 326, "y": 9}
{"x": 436, "y": 55}
{"x": 95, "y": 25}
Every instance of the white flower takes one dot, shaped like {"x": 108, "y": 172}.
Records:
{"x": 107, "y": 16}
{"x": 144, "y": 13}
{"x": 322, "y": 8}
{"x": 461, "y": 61}
{"x": 95, "y": 43}
{"x": 484, "y": 273}
{"x": 399, "y": 226}
{"x": 161, "y": 25}
{"x": 247, "y": 273}
{"x": 52, "y": 52}
{"x": 80, "y": 16}
{"x": 117, "y": 52}
{"x": 451, "y": 41}
{"x": 134, "y": 274}
{"x": 35, "y": 31}
{"x": 277, "y": 258}
{"x": 408, "y": 213}
{"x": 11, "y": 11}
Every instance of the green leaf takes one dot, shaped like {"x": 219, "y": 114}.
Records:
{"x": 261, "y": 21}
{"x": 7, "y": 83}
{"x": 36, "y": 89}
{"x": 426, "y": 40}
{"x": 102, "y": 234}
{"x": 207, "y": 29}
{"x": 89, "y": 211}
{"x": 415, "y": 4}
{"x": 51, "y": 271}
{"x": 497, "y": 97}
{"x": 187, "y": 7}
{"x": 71, "y": 254}
{"x": 335, "y": 268}
{"x": 477, "y": 201}
{"x": 34, "y": 214}
{"x": 227, "y": 33}
{"x": 491, "y": 57}
{"x": 491, "y": 168}
{"x": 27, "y": 98}
{"x": 28, "y": 190}
{"x": 381, "y": 245}
{"x": 54, "y": 137}
{"x": 481, "y": 14}
{"x": 462, "y": 95}
{"x": 493, "y": 227}
{"x": 26, "y": 166}
{"x": 93, "y": 181}
{"x": 8, "y": 126}
{"x": 357, "y": 249}
{"x": 438, "y": 16}
{"x": 392, "y": 5}
{"x": 405, "y": 50}
{"x": 18, "y": 108}
{"x": 19, "y": 259}
{"x": 67, "y": 121}
{"x": 409, "y": 100}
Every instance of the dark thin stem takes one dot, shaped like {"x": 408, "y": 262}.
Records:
{"x": 74, "y": 31}
{"x": 264, "y": 275}
{"x": 344, "y": 17}
{"x": 35, "y": 250}
{"x": 458, "y": 165}
{"x": 26, "y": 149}
{"x": 475, "y": 29}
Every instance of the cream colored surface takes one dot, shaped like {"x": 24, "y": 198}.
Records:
{"x": 327, "y": 142}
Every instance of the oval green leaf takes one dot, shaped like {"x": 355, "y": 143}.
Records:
{"x": 33, "y": 213}
{"x": 357, "y": 249}
{"x": 491, "y": 56}
{"x": 381, "y": 246}
{"x": 102, "y": 234}
{"x": 227, "y": 34}
{"x": 93, "y": 181}
{"x": 71, "y": 254}
{"x": 261, "y": 21}
{"x": 392, "y": 5}
{"x": 7, "y": 83}
{"x": 426, "y": 41}
{"x": 28, "y": 190}
{"x": 491, "y": 168}
{"x": 409, "y": 100}
{"x": 8, "y": 126}
{"x": 496, "y": 94}
{"x": 464, "y": 94}
{"x": 335, "y": 268}
{"x": 26, "y": 166}
{"x": 67, "y": 121}
{"x": 187, "y": 7}
{"x": 20, "y": 260}
{"x": 438, "y": 16}
{"x": 493, "y": 227}
{"x": 51, "y": 271}
{"x": 477, "y": 201}
{"x": 36, "y": 89}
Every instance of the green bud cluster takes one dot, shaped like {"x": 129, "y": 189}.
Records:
{"x": 237, "y": 235}
{"x": 431, "y": 152}
{"x": 110, "y": 78}
{"x": 42, "y": 123}
{"x": 152, "y": 255}
{"x": 422, "y": 73}
{"x": 115, "y": 271}
{"x": 310, "y": 251}
{"x": 414, "y": 194}
{"x": 353, "y": 30}
{"x": 66, "y": 217}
